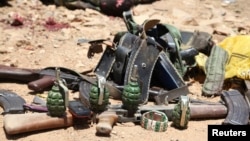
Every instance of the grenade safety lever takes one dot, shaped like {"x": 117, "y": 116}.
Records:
{"x": 101, "y": 85}
{"x": 184, "y": 107}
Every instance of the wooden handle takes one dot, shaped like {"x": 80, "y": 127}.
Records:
{"x": 42, "y": 84}
{"x": 20, "y": 123}
{"x": 106, "y": 120}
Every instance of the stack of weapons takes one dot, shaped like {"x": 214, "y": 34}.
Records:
{"x": 94, "y": 92}
{"x": 14, "y": 105}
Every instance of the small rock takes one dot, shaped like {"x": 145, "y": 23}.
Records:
{"x": 14, "y": 63}
{"x": 42, "y": 51}
{"x": 114, "y": 132}
{"x": 71, "y": 17}
{"x": 39, "y": 45}
{"x": 227, "y": 2}
{"x": 55, "y": 45}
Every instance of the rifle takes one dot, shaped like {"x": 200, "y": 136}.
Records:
{"x": 30, "y": 122}
{"x": 198, "y": 110}
{"x": 42, "y": 79}
{"x": 234, "y": 108}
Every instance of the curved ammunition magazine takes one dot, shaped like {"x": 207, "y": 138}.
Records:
{"x": 11, "y": 102}
{"x": 238, "y": 109}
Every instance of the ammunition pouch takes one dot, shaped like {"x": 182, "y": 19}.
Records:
{"x": 215, "y": 71}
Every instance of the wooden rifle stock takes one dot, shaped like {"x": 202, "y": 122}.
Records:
{"x": 21, "y": 123}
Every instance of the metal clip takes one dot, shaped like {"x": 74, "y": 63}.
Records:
{"x": 62, "y": 84}
{"x": 184, "y": 107}
{"x": 101, "y": 87}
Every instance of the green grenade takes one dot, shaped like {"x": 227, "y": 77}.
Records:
{"x": 181, "y": 113}
{"x": 99, "y": 97}
{"x": 132, "y": 92}
{"x": 57, "y": 98}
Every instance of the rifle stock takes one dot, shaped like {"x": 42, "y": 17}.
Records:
{"x": 34, "y": 122}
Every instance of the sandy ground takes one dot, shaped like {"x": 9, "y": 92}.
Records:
{"x": 34, "y": 46}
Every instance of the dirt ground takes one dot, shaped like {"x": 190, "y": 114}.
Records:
{"x": 34, "y": 45}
